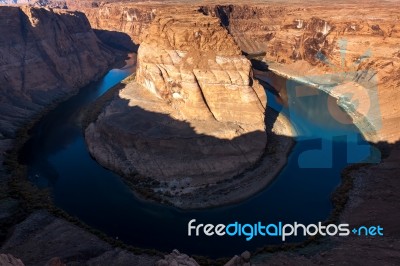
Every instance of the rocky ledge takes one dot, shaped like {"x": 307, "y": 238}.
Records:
{"x": 43, "y": 239}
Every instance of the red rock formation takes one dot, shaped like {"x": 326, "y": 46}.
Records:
{"x": 44, "y": 55}
{"x": 43, "y": 239}
{"x": 36, "y": 3}
{"x": 194, "y": 116}
{"x": 192, "y": 62}
{"x": 131, "y": 19}
{"x": 338, "y": 44}
{"x": 300, "y": 39}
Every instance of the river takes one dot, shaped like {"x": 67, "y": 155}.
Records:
{"x": 57, "y": 157}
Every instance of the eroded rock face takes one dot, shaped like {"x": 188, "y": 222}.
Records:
{"x": 10, "y": 260}
{"x": 176, "y": 258}
{"x": 340, "y": 45}
{"x": 44, "y": 55}
{"x": 192, "y": 62}
{"x": 37, "y": 3}
{"x": 130, "y": 19}
{"x": 307, "y": 41}
{"x": 194, "y": 116}
{"x": 43, "y": 239}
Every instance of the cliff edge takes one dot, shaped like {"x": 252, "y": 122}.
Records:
{"x": 45, "y": 55}
{"x": 194, "y": 117}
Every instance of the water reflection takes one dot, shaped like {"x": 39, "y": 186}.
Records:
{"x": 57, "y": 156}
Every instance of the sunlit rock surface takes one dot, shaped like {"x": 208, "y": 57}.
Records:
{"x": 37, "y": 3}
{"x": 338, "y": 39}
{"x": 194, "y": 116}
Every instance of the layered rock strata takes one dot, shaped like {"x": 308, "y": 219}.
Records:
{"x": 130, "y": 19}
{"x": 44, "y": 55}
{"x": 177, "y": 258}
{"x": 194, "y": 116}
{"x": 36, "y": 3}
{"x": 335, "y": 44}
{"x": 43, "y": 239}
{"x": 342, "y": 50}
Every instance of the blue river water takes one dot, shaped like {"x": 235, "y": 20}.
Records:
{"x": 57, "y": 157}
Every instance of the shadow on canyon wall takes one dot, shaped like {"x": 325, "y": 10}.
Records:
{"x": 61, "y": 124}
{"x": 38, "y": 71}
{"x": 169, "y": 147}
{"x": 156, "y": 123}
{"x": 117, "y": 40}
{"x": 386, "y": 201}
{"x": 258, "y": 63}
{"x": 381, "y": 197}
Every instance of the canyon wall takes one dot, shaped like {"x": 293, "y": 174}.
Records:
{"x": 299, "y": 42}
{"x": 342, "y": 49}
{"x": 36, "y": 3}
{"x": 199, "y": 69}
{"x": 194, "y": 116}
{"x": 131, "y": 19}
{"x": 44, "y": 55}
{"x": 332, "y": 45}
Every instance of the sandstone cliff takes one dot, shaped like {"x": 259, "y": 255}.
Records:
{"x": 44, "y": 55}
{"x": 43, "y": 239}
{"x": 306, "y": 42}
{"x": 291, "y": 35}
{"x": 197, "y": 67}
{"x": 194, "y": 116}
{"x": 37, "y": 3}
{"x": 131, "y": 19}
{"x": 341, "y": 46}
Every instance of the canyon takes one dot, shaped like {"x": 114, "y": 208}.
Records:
{"x": 46, "y": 55}
{"x": 36, "y": 3}
{"x": 38, "y": 69}
{"x": 194, "y": 116}
{"x": 330, "y": 45}
{"x": 191, "y": 66}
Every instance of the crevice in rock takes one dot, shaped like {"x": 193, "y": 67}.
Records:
{"x": 204, "y": 97}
